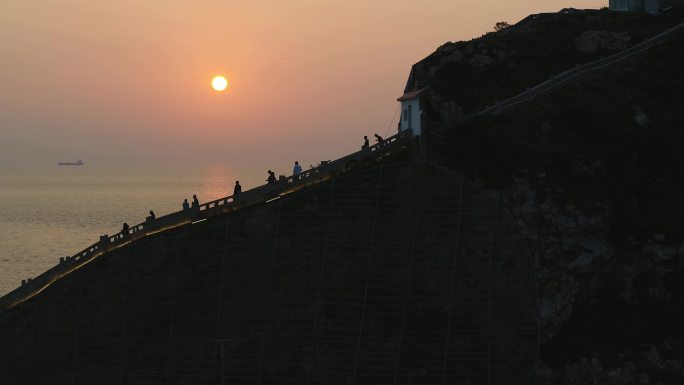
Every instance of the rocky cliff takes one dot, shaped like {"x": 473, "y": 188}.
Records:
{"x": 594, "y": 176}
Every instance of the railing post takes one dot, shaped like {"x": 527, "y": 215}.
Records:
{"x": 104, "y": 242}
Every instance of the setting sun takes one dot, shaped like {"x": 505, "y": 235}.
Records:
{"x": 219, "y": 83}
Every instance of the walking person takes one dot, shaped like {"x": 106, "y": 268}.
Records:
{"x": 366, "y": 144}
{"x": 237, "y": 190}
{"x": 296, "y": 170}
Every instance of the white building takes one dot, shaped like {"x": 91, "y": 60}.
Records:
{"x": 650, "y": 6}
{"x": 411, "y": 112}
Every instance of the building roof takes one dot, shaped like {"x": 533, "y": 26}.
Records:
{"x": 410, "y": 95}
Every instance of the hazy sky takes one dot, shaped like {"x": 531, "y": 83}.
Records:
{"x": 125, "y": 80}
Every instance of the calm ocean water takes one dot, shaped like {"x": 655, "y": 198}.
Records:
{"x": 48, "y": 211}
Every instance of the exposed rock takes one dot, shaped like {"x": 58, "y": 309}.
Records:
{"x": 590, "y": 371}
{"x": 565, "y": 242}
{"x": 555, "y": 303}
{"x": 640, "y": 117}
{"x": 593, "y": 41}
{"x": 446, "y": 47}
{"x": 455, "y": 56}
{"x": 480, "y": 61}
{"x": 660, "y": 253}
{"x": 545, "y": 375}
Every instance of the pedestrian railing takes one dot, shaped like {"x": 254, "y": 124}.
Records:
{"x": 258, "y": 195}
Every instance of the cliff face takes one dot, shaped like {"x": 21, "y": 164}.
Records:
{"x": 403, "y": 274}
{"x": 594, "y": 176}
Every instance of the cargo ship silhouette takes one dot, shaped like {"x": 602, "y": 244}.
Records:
{"x": 76, "y": 163}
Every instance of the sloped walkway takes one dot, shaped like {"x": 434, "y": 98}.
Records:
{"x": 402, "y": 273}
{"x": 246, "y": 199}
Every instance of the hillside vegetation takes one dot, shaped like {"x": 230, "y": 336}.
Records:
{"x": 496, "y": 66}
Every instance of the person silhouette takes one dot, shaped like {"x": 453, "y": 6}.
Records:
{"x": 186, "y": 205}
{"x": 238, "y": 189}
{"x": 296, "y": 170}
{"x": 195, "y": 202}
{"x": 379, "y": 139}
{"x": 124, "y": 230}
{"x": 366, "y": 144}
{"x": 271, "y": 177}
{"x": 152, "y": 216}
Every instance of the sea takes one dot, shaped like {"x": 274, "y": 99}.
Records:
{"x": 49, "y": 211}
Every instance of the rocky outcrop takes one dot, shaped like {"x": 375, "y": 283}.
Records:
{"x": 455, "y": 56}
{"x": 593, "y": 177}
{"x": 594, "y": 41}
{"x": 565, "y": 241}
{"x": 640, "y": 117}
{"x": 480, "y": 61}
{"x": 595, "y": 290}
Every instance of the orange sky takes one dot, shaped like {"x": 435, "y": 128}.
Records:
{"x": 129, "y": 80}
